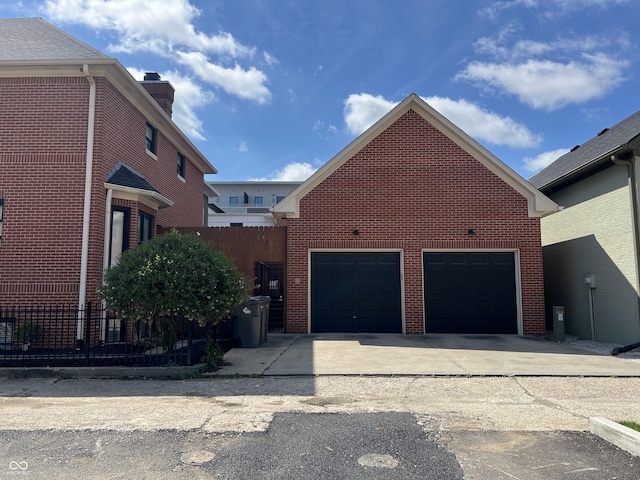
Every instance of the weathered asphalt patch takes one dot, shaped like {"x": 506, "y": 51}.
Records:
{"x": 378, "y": 461}
{"x": 319, "y": 446}
{"x": 197, "y": 458}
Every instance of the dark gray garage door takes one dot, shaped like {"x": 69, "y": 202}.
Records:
{"x": 470, "y": 292}
{"x": 356, "y": 292}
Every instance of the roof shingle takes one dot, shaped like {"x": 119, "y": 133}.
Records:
{"x": 34, "y": 39}
{"x": 127, "y": 177}
{"x": 595, "y": 149}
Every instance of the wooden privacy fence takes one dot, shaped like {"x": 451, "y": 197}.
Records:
{"x": 244, "y": 246}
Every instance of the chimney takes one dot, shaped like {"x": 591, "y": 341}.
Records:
{"x": 160, "y": 90}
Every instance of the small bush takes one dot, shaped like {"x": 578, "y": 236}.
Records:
{"x": 173, "y": 276}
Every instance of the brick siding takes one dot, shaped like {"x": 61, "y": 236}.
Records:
{"x": 411, "y": 188}
{"x": 43, "y": 137}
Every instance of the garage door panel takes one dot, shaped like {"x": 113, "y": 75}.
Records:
{"x": 362, "y": 294}
{"x": 470, "y": 292}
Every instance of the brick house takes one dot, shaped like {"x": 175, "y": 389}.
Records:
{"x": 90, "y": 164}
{"x": 414, "y": 227}
{"x": 591, "y": 246}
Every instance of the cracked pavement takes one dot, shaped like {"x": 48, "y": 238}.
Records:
{"x": 495, "y": 428}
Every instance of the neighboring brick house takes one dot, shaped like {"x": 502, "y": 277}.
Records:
{"x": 590, "y": 247}
{"x": 414, "y": 227}
{"x": 90, "y": 164}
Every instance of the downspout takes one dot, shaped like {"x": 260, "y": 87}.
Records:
{"x": 105, "y": 258}
{"x": 87, "y": 203}
{"x": 635, "y": 209}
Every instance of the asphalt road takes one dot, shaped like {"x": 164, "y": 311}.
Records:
{"x": 314, "y": 428}
{"x": 315, "y": 446}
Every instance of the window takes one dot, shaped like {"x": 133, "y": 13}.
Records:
{"x": 119, "y": 233}
{"x": 181, "y": 162}
{"x": 145, "y": 222}
{"x": 235, "y": 224}
{"x": 233, "y": 201}
{"x": 257, "y": 201}
{"x": 279, "y": 199}
{"x": 1, "y": 217}
{"x": 151, "y": 138}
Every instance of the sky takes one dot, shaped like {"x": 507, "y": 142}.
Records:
{"x": 273, "y": 89}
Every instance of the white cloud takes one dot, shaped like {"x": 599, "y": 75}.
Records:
{"x": 270, "y": 59}
{"x": 363, "y": 110}
{"x": 166, "y": 28}
{"x": 483, "y": 124}
{"x": 549, "y": 85}
{"x": 502, "y": 47}
{"x": 549, "y": 8}
{"x": 535, "y": 164}
{"x": 146, "y": 25}
{"x": 237, "y": 81}
{"x": 567, "y": 6}
{"x": 295, "y": 171}
{"x": 494, "y": 10}
{"x": 243, "y": 148}
{"x": 187, "y": 98}
{"x": 321, "y": 126}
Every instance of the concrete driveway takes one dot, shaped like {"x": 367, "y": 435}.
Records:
{"x": 435, "y": 354}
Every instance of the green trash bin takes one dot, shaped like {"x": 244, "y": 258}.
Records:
{"x": 251, "y": 322}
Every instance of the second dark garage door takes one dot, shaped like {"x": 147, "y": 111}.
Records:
{"x": 470, "y": 292}
{"x": 356, "y": 292}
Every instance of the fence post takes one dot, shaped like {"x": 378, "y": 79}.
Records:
{"x": 189, "y": 339}
{"x": 87, "y": 325}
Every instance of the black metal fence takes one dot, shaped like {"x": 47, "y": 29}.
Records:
{"x": 58, "y": 336}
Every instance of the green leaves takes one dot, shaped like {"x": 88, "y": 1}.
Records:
{"x": 171, "y": 276}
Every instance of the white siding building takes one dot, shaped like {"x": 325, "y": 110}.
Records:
{"x": 246, "y": 204}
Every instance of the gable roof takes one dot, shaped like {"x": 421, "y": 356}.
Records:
{"x": 588, "y": 155}
{"x": 538, "y": 204}
{"x": 31, "y": 47}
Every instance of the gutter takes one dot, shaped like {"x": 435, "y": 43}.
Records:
{"x": 567, "y": 177}
{"x": 630, "y": 162}
{"x": 87, "y": 203}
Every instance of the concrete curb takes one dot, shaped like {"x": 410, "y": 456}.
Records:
{"x": 619, "y": 435}
{"x": 101, "y": 372}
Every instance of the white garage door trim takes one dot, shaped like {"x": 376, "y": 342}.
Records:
{"x": 516, "y": 259}
{"x": 355, "y": 250}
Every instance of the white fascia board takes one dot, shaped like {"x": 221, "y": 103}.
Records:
{"x": 152, "y": 199}
{"x": 538, "y": 204}
{"x": 290, "y": 205}
{"x": 119, "y": 76}
{"x": 209, "y": 191}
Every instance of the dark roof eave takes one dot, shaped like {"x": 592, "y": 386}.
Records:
{"x": 570, "y": 177}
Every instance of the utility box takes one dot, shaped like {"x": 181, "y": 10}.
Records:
{"x": 251, "y": 322}
{"x": 558, "y": 323}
